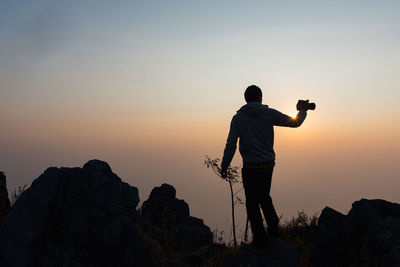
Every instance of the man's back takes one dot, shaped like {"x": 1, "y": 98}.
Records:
{"x": 256, "y": 132}
{"x": 253, "y": 125}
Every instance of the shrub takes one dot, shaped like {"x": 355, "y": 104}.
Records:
{"x": 299, "y": 232}
{"x": 16, "y": 193}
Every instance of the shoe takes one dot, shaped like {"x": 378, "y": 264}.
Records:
{"x": 275, "y": 232}
{"x": 260, "y": 244}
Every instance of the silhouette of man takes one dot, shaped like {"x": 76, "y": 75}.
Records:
{"x": 254, "y": 125}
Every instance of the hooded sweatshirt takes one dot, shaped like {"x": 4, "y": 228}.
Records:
{"x": 254, "y": 125}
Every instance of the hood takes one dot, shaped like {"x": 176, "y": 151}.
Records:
{"x": 253, "y": 109}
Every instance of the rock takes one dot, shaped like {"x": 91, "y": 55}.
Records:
{"x": 329, "y": 240}
{"x": 4, "y": 200}
{"x": 167, "y": 219}
{"x": 193, "y": 232}
{"x": 277, "y": 254}
{"x": 386, "y": 242}
{"x": 369, "y": 235}
{"x": 74, "y": 217}
{"x": 165, "y": 191}
{"x": 163, "y": 208}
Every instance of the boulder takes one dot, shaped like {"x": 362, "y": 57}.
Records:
{"x": 386, "y": 242}
{"x": 4, "y": 200}
{"x": 74, "y": 217}
{"x": 329, "y": 240}
{"x": 162, "y": 208}
{"x": 369, "y": 235}
{"x": 167, "y": 219}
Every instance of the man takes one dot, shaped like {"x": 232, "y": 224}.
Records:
{"x": 254, "y": 126}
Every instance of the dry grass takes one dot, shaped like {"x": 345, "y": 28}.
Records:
{"x": 16, "y": 193}
{"x": 299, "y": 233}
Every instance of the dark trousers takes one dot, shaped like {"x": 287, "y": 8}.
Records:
{"x": 257, "y": 185}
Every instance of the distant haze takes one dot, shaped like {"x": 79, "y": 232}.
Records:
{"x": 151, "y": 87}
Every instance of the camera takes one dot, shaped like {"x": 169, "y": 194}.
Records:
{"x": 305, "y": 105}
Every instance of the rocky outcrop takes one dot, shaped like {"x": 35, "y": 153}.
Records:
{"x": 87, "y": 217}
{"x": 167, "y": 219}
{"x": 369, "y": 235}
{"x": 74, "y": 217}
{"x": 4, "y": 200}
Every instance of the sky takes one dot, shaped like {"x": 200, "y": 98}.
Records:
{"x": 151, "y": 87}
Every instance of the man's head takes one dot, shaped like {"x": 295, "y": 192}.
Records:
{"x": 253, "y": 93}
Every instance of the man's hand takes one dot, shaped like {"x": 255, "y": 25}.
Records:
{"x": 224, "y": 173}
{"x": 302, "y": 105}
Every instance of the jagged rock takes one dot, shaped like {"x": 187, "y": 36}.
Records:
{"x": 4, "y": 200}
{"x": 74, "y": 217}
{"x": 167, "y": 219}
{"x": 386, "y": 242}
{"x": 328, "y": 243}
{"x": 368, "y": 236}
{"x": 163, "y": 208}
{"x": 277, "y": 254}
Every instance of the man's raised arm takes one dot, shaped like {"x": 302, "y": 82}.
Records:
{"x": 280, "y": 119}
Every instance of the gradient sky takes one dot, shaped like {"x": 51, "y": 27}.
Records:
{"x": 151, "y": 86}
